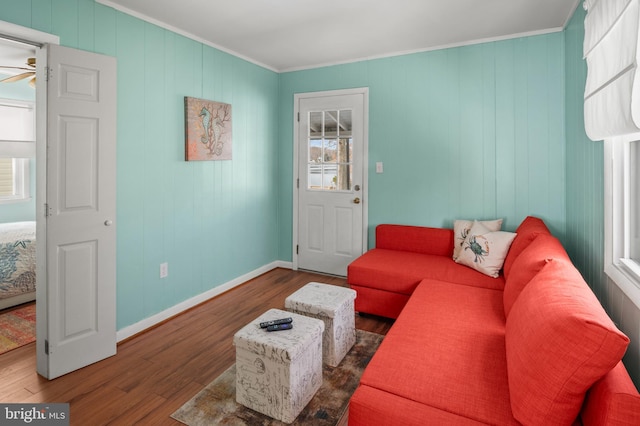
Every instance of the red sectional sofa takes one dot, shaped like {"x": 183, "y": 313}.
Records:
{"x": 533, "y": 346}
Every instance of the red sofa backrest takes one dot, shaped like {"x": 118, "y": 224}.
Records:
{"x": 417, "y": 239}
{"x": 528, "y": 230}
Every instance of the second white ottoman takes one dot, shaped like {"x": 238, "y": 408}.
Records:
{"x": 334, "y": 305}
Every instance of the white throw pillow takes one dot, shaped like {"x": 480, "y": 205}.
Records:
{"x": 461, "y": 229}
{"x": 484, "y": 250}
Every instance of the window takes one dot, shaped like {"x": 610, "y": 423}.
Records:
{"x": 14, "y": 179}
{"x": 634, "y": 201}
{"x": 622, "y": 213}
{"x": 330, "y": 148}
{"x": 17, "y": 145}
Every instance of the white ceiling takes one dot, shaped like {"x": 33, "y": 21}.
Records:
{"x": 285, "y": 35}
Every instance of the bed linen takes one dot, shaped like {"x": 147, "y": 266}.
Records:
{"x": 17, "y": 263}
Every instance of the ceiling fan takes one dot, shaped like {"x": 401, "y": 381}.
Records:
{"x": 29, "y": 71}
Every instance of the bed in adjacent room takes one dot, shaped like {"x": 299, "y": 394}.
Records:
{"x": 17, "y": 263}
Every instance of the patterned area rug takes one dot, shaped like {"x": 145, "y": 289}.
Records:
{"x": 216, "y": 404}
{"x": 17, "y": 327}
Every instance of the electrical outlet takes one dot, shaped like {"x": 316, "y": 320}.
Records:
{"x": 164, "y": 270}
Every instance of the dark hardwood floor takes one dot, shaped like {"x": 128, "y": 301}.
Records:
{"x": 156, "y": 372}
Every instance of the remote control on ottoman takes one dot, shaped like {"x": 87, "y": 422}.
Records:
{"x": 276, "y": 322}
{"x": 278, "y": 327}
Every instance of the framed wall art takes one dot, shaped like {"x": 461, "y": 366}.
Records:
{"x": 207, "y": 130}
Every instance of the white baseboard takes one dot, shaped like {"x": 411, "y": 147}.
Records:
{"x": 151, "y": 321}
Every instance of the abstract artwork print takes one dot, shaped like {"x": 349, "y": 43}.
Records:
{"x": 207, "y": 130}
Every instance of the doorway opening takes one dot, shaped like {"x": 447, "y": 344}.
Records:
{"x": 75, "y": 203}
{"x": 17, "y": 193}
{"x": 34, "y": 41}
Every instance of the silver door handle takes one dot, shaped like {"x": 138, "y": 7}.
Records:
{"x": 108, "y": 222}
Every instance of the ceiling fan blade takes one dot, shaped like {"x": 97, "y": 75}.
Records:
{"x": 15, "y": 68}
{"x": 32, "y": 82}
{"x": 18, "y": 77}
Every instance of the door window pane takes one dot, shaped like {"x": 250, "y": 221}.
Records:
{"x": 345, "y": 123}
{"x": 330, "y": 148}
{"x": 315, "y": 150}
{"x": 330, "y": 151}
{"x": 330, "y": 123}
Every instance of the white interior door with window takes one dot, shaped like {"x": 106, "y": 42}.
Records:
{"x": 80, "y": 210}
{"x": 330, "y": 176}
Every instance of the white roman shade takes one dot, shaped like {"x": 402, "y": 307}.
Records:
{"x": 612, "y": 92}
{"x": 17, "y": 129}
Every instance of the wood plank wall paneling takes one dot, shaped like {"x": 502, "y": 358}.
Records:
{"x": 211, "y": 221}
{"x": 65, "y": 21}
{"x": 468, "y": 132}
{"x": 584, "y": 169}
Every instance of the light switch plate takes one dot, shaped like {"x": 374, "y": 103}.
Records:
{"x": 164, "y": 270}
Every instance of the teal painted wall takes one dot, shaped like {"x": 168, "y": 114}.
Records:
{"x": 469, "y": 132}
{"x": 585, "y": 169}
{"x": 23, "y": 210}
{"x": 211, "y": 221}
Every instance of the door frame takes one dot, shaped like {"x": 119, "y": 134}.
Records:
{"x": 39, "y": 40}
{"x": 297, "y": 97}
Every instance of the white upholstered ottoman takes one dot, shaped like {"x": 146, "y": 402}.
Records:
{"x": 333, "y": 305}
{"x": 278, "y": 372}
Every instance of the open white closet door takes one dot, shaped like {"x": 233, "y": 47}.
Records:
{"x": 80, "y": 211}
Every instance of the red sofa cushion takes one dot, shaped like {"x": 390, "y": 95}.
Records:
{"x": 401, "y": 271}
{"x": 559, "y": 341}
{"x": 446, "y": 350}
{"x": 369, "y": 406}
{"x": 528, "y": 264}
{"x": 379, "y": 302}
{"x": 612, "y": 400}
{"x": 527, "y": 231}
